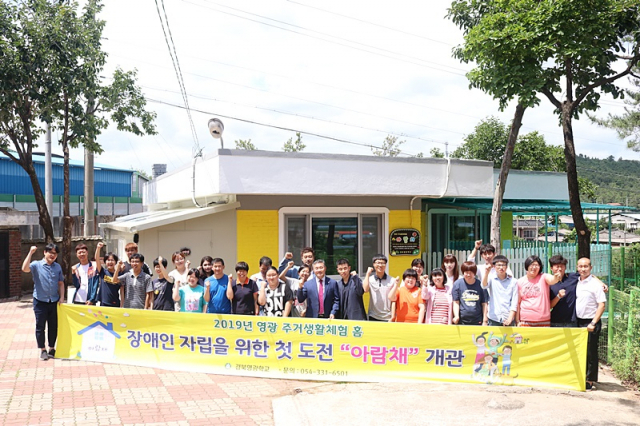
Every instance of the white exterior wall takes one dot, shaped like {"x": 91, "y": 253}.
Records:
{"x": 261, "y": 172}
{"x": 213, "y": 235}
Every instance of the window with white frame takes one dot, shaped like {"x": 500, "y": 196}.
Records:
{"x": 355, "y": 234}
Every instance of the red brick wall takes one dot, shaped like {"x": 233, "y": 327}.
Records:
{"x": 15, "y": 263}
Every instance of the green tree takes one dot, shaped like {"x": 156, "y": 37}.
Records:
{"x": 627, "y": 125}
{"x": 587, "y": 188}
{"x": 248, "y": 145}
{"x": 294, "y": 146}
{"x": 436, "y": 153}
{"x": 489, "y": 140}
{"x": 50, "y": 71}
{"x": 390, "y": 147}
{"x": 567, "y": 51}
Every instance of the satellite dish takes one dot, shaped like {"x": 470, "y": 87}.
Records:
{"x": 216, "y": 128}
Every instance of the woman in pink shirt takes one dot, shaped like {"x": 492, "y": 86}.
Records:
{"x": 437, "y": 298}
{"x": 534, "y": 308}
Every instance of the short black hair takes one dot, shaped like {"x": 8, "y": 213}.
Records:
{"x": 157, "y": 263}
{"x": 242, "y": 266}
{"x": 194, "y": 271}
{"x": 51, "y": 247}
{"x": 530, "y": 260}
{"x": 417, "y": 261}
{"x": 218, "y": 260}
{"x": 558, "y": 259}
{"x": 487, "y": 248}
{"x": 500, "y": 258}
{"x": 437, "y": 272}
{"x": 137, "y": 256}
{"x": 264, "y": 260}
{"x": 379, "y": 257}
{"x": 410, "y": 273}
{"x": 343, "y": 261}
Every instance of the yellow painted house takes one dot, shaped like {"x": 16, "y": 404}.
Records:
{"x": 242, "y": 205}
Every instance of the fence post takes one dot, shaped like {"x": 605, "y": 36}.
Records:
{"x": 622, "y": 268}
{"x": 610, "y": 320}
{"x": 549, "y": 254}
{"x": 632, "y": 301}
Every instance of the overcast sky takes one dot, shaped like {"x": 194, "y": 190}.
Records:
{"x": 355, "y": 71}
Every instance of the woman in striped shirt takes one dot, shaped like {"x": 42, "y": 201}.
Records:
{"x": 437, "y": 298}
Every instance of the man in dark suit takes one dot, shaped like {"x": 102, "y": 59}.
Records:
{"x": 322, "y": 293}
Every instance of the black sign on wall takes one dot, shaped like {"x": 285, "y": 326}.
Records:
{"x": 404, "y": 242}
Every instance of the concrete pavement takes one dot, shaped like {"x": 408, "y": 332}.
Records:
{"x": 34, "y": 392}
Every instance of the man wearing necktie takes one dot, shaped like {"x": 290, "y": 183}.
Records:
{"x": 321, "y": 292}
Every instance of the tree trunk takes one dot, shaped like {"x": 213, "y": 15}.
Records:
{"x": 66, "y": 230}
{"x": 44, "y": 215}
{"x": 582, "y": 231}
{"x": 504, "y": 173}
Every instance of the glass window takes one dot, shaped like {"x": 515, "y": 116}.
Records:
{"x": 371, "y": 241}
{"x": 334, "y": 238}
{"x": 296, "y": 236}
{"x": 356, "y": 237}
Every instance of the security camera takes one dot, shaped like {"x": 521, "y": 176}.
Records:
{"x": 216, "y": 128}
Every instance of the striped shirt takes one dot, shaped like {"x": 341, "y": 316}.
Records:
{"x": 440, "y": 310}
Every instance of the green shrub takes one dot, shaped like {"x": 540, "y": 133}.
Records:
{"x": 626, "y": 364}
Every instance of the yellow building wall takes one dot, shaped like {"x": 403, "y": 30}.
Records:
{"x": 404, "y": 219}
{"x": 257, "y": 236}
{"x": 506, "y": 228}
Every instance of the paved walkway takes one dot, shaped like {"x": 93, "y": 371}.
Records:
{"x": 34, "y": 392}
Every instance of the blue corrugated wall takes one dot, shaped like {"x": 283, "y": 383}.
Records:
{"x": 108, "y": 183}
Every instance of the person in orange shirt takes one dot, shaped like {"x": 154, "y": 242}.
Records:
{"x": 407, "y": 305}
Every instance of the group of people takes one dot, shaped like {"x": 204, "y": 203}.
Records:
{"x": 466, "y": 294}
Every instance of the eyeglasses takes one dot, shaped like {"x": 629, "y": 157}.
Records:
{"x": 380, "y": 262}
{"x": 500, "y": 265}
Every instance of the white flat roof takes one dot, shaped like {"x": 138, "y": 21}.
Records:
{"x": 242, "y": 172}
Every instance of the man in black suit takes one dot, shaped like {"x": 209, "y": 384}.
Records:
{"x": 322, "y": 293}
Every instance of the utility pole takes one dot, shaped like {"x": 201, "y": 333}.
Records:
{"x": 89, "y": 218}
{"x": 446, "y": 150}
{"x": 48, "y": 174}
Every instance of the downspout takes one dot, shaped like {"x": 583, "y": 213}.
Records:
{"x": 444, "y": 192}
{"x": 193, "y": 179}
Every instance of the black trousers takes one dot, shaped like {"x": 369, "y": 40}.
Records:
{"x": 592, "y": 349}
{"x": 46, "y": 315}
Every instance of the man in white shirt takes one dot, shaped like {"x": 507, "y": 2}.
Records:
{"x": 590, "y": 303}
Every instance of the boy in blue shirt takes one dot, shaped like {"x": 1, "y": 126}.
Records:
{"x": 215, "y": 290}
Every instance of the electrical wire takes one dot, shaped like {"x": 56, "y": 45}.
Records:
{"x": 376, "y": 49}
{"x": 322, "y": 119}
{"x": 371, "y": 23}
{"x": 289, "y": 129}
{"x": 176, "y": 66}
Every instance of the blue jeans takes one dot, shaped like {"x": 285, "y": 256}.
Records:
{"x": 46, "y": 315}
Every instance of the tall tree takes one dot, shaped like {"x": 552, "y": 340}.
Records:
{"x": 488, "y": 141}
{"x": 50, "y": 71}
{"x": 566, "y": 50}
{"x": 627, "y": 125}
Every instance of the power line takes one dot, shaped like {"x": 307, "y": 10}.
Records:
{"x": 317, "y": 118}
{"x": 377, "y": 50}
{"x": 276, "y": 127}
{"x": 176, "y": 66}
{"x": 371, "y": 23}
